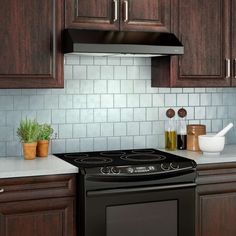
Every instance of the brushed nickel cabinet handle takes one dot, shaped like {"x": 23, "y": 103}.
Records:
{"x": 235, "y": 68}
{"x": 1, "y": 190}
{"x": 227, "y": 62}
{"x": 126, "y": 5}
{"x": 115, "y": 10}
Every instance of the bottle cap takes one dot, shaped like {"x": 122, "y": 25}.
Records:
{"x": 170, "y": 113}
{"x": 182, "y": 112}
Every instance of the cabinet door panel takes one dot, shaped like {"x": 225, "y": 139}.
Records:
{"x": 216, "y": 210}
{"x": 30, "y": 34}
{"x": 145, "y": 15}
{"x": 203, "y": 27}
{"x": 48, "y": 217}
{"x": 92, "y": 14}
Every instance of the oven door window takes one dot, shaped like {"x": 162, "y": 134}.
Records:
{"x": 152, "y": 219}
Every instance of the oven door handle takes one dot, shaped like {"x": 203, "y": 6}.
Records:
{"x": 137, "y": 190}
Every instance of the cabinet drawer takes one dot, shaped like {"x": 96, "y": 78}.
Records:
{"x": 26, "y": 188}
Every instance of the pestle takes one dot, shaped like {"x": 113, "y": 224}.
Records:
{"x": 224, "y": 131}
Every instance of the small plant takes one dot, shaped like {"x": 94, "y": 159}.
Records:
{"x": 45, "y": 132}
{"x": 28, "y": 131}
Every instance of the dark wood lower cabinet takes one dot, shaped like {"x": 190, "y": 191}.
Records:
{"x": 41, "y": 208}
{"x": 216, "y": 200}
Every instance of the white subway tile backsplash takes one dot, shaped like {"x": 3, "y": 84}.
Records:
{"x": 86, "y": 144}
{"x": 79, "y": 101}
{"x": 133, "y": 128}
{"x": 113, "y": 115}
{"x": 79, "y": 72}
{"x": 86, "y": 86}
{"x": 21, "y": 102}
{"x": 127, "y": 114}
{"x": 108, "y": 103}
{"x": 120, "y": 72}
{"x": 127, "y": 86}
{"x": 132, "y": 100}
{"x": 113, "y": 143}
{"x": 139, "y": 114}
{"x": 65, "y": 131}
{"x": 79, "y": 130}
{"x": 93, "y": 101}
{"x": 93, "y": 130}
{"x": 58, "y": 116}
{"x": 100, "y": 144}
{"x": 113, "y": 86}
{"x": 93, "y": 72}
{"x": 72, "y": 116}
{"x": 100, "y": 115}
{"x": 120, "y": 129}
{"x": 86, "y": 115}
{"x": 107, "y": 129}
{"x": 100, "y": 86}
{"x": 107, "y": 72}
{"x": 44, "y": 116}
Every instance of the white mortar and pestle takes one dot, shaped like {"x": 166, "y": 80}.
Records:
{"x": 213, "y": 143}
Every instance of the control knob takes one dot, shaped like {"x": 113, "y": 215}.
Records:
{"x": 115, "y": 170}
{"x": 130, "y": 170}
{"x": 165, "y": 166}
{"x": 105, "y": 170}
{"x": 174, "y": 166}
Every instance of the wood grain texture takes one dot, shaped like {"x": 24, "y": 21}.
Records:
{"x": 30, "y": 34}
{"x": 204, "y": 29}
{"x": 38, "y": 206}
{"x": 148, "y": 15}
{"x": 216, "y": 200}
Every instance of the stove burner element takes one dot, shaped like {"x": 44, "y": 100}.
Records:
{"x": 142, "y": 157}
{"x": 112, "y": 153}
{"x": 94, "y": 160}
{"x": 143, "y": 151}
{"x": 71, "y": 155}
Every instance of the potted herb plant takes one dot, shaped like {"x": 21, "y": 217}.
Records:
{"x": 28, "y": 133}
{"x": 44, "y": 135}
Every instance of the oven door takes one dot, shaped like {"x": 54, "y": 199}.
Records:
{"x": 140, "y": 211}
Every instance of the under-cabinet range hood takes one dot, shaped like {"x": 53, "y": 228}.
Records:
{"x": 121, "y": 43}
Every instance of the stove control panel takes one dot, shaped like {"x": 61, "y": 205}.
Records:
{"x": 130, "y": 170}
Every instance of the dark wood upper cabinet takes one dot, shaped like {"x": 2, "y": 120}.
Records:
{"x": 30, "y": 35}
{"x": 204, "y": 29}
{"x": 233, "y": 59}
{"x": 148, "y": 15}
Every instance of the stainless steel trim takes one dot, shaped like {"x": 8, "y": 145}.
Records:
{"x": 137, "y": 190}
{"x": 1, "y": 190}
{"x": 227, "y": 63}
{"x": 115, "y": 10}
{"x": 126, "y": 4}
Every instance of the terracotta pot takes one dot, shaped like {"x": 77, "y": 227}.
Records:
{"x": 42, "y": 148}
{"x": 29, "y": 150}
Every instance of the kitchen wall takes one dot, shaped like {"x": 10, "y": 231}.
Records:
{"x": 108, "y": 103}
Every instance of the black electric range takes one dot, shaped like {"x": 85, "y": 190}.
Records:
{"x": 128, "y": 163}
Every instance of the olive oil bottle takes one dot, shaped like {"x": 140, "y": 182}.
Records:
{"x": 170, "y": 131}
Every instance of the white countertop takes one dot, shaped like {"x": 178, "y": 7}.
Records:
{"x": 18, "y": 167}
{"x": 228, "y": 155}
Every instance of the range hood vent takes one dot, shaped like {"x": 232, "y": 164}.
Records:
{"x": 121, "y": 43}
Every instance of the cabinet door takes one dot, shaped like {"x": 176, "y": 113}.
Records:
{"x": 204, "y": 29}
{"x": 216, "y": 210}
{"x": 48, "y": 217}
{"x": 30, "y": 35}
{"x": 147, "y": 15}
{"x": 92, "y": 14}
{"x": 233, "y": 43}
